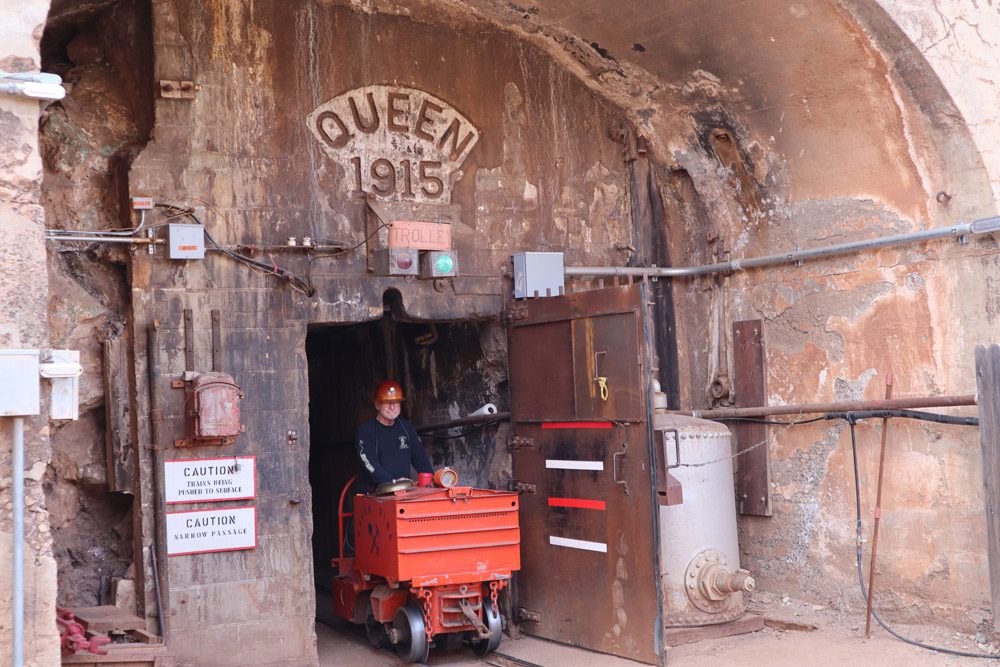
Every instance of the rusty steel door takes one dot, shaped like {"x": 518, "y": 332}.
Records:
{"x": 579, "y": 378}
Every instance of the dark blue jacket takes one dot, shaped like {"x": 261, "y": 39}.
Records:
{"x": 387, "y": 452}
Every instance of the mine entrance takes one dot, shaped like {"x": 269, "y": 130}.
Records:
{"x": 447, "y": 370}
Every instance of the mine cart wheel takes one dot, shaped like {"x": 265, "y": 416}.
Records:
{"x": 491, "y": 614}
{"x": 409, "y": 626}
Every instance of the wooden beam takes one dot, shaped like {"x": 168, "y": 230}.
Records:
{"x": 118, "y": 403}
{"x": 988, "y": 386}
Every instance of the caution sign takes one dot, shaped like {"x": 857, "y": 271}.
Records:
{"x": 205, "y": 531}
{"x": 210, "y": 480}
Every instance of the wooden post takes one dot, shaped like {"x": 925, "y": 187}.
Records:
{"x": 988, "y": 386}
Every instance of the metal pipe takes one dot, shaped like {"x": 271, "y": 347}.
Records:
{"x": 838, "y": 406}
{"x": 878, "y": 511}
{"x": 156, "y": 432}
{"x": 137, "y": 240}
{"x": 465, "y": 421}
{"x": 17, "y": 490}
{"x": 983, "y": 226}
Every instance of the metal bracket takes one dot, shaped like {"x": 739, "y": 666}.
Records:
{"x": 677, "y": 447}
{"x": 516, "y": 442}
{"x": 525, "y": 487}
{"x": 182, "y": 90}
{"x": 514, "y": 313}
{"x": 529, "y": 615}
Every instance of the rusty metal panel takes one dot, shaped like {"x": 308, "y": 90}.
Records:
{"x": 606, "y": 352}
{"x": 540, "y": 359}
{"x": 753, "y": 476}
{"x": 586, "y": 504}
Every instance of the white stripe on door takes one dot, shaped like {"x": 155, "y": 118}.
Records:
{"x": 578, "y": 544}
{"x": 574, "y": 465}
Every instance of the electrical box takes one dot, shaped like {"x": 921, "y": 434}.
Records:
{"x": 397, "y": 262}
{"x": 19, "y": 392}
{"x": 212, "y": 410}
{"x": 538, "y": 274}
{"x": 186, "y": 241}
{"x": 438, "y": 264}
{"x": 64, "y": 373}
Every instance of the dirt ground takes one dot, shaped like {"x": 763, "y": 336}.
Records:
{"x": 797, "y": 633}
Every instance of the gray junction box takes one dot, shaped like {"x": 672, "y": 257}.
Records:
{"x": 186, "y": 241}
{"x": 538, "y": 274}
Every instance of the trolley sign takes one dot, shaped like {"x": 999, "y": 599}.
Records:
{"x": 210, "y": 480}
{"x": 205, "y": 531}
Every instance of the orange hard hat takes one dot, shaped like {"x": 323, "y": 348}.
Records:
{"x": 388, "y": 391}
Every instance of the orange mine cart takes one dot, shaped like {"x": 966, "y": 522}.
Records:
{"x": 428, "y": 564}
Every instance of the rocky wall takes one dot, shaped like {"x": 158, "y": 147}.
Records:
{"x": 24, "y": 292}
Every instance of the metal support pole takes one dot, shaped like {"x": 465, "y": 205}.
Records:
{"x": 838, "y": 406}
{"x": 17, "y": 490}
{"x": 878, "y": 511}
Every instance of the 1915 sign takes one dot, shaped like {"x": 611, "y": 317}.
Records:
{"x": 399, "y": 144}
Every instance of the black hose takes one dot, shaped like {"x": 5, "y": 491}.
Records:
{"x": 907, "y": 414}
{"x": 851, "y": 419}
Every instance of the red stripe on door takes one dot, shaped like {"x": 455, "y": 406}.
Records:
{"x": 548, "y": 425}
{"x": 580, "y": 503}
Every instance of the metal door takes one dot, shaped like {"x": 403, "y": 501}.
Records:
{"x": 579, "y": 378}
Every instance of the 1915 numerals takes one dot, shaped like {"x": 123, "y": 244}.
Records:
{"x": 386, "y": 180}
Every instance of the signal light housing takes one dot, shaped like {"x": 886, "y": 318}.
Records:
{"x": 438, "y": 264}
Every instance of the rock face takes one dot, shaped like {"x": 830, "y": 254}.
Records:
{"x": 659, "y": 137}
{"x": 24, "y": 293}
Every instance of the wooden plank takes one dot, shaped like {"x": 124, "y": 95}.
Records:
{"x": 988, "y": 387}
{"x": 753, "y": 477}
{"x": 216, "y": 340}
{"x": 118, "y": 405}
{"x": 188, "y": 339}
{"x": 747, "y": 623}
{"x": 106, "y": 618}
{"x": 124, "y": 655}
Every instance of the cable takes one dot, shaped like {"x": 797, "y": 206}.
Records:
{"x": 851, "y": 420}
{"x": 293, "y": 280}
{"x": 907, "y": 414}
{"x": 773, "y": 422}
{"x": 477, "y": 427}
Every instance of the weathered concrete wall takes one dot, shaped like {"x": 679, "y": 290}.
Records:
{"x": 244, "y": 155}
{"x": 24, "y": 293}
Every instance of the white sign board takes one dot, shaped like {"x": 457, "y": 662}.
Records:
{"x": 210, "y": 480}
{"x": 204, "y": 531}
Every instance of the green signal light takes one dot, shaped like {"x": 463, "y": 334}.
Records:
{"x": 444, "y": 264}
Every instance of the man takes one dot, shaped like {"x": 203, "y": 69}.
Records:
{"x": 388, "y": 444}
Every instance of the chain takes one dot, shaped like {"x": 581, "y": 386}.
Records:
{"x": 425, "y": 597}
{"x": 720, "y": 460}
{"x": 495, "y": 587}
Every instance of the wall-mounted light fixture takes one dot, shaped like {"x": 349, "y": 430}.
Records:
{"x": 36, "y": 85}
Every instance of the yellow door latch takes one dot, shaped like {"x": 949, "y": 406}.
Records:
{"x": 601, "y": 380}
{"x": 602, "y": 384}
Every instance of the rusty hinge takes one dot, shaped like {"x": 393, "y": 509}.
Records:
{"x": 524, "y": 487}
{"x": 514, "y": 313}
{"x": 516, "y": 442}
{"x": 529, "y": 615}
{"x": 182, "y": 90}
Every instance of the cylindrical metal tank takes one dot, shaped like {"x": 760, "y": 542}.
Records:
{"x": 700, "y": 559}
